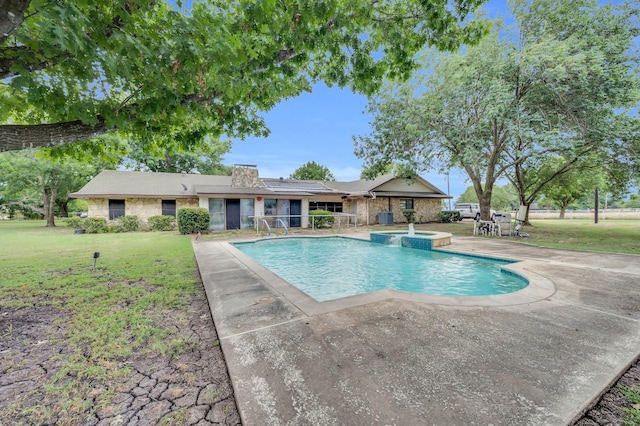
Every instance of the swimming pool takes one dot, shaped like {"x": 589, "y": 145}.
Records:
{"x": 329, "y": 268}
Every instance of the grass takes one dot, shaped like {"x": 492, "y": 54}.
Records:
{"x": 614, "y": 236}
{"x": 108, "y": 313}
{"x": 633, "y": 413}
{"x": 114, "y": 310}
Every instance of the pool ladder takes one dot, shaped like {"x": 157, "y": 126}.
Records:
{"x": 280, "y": 221}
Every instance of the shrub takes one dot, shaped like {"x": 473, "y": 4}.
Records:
{"x": 410, "y": 215}
{"x": 115, "y": 228}
{"x": 192, "y": 220}
{"x": 96, "y": 225}
{"x": 162, "y": 223}
{"x": 129, "y": 223}
{"x": 449, "y": 216}
{"x": 321, "y": 218}
{"x": 75, "y": 222}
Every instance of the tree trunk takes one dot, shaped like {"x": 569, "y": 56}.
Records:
{"x": 563, "y": 208}
{"x": 17, "y": 137}
{"x": 49, "y": 206}
{"x": 63, "y": 208}
{"x": 485, "y": 204}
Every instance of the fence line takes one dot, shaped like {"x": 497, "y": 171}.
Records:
{"x": 603, "y": 214}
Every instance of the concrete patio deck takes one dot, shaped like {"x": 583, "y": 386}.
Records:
{"x": 534, "y": 360}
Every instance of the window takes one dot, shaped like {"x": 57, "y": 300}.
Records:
{"x": 169, "y": 208}
{"x": 116, "y": 209}
{"x": 406, "y": 203}
{"x": 326, "y": 205}
{"x": 246, "y": 213}
{"x": 216, "y": 210}
{"x": 270, "y": 207}
{"x": 282, "y": 209}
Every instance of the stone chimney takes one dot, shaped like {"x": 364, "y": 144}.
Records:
{"x": 245, "y": 176}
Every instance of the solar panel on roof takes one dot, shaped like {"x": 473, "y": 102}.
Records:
{"x": 287, "y": 185}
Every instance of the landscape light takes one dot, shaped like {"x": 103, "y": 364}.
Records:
{"x": 96, "y": 255}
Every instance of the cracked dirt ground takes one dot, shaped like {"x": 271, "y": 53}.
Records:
{"x": 192, "y": 388}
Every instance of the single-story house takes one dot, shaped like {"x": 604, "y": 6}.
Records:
{"x": 235, "y": 201}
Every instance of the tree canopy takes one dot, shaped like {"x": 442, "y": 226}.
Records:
{"x": 206, "y": 159}
{"x": 561, "y": 84}
{"x": 504, "y": 198}
{"x": 31, "y": 180}
{"x": 74, "y": 69}
{"x": 573, "y": 184}
{"x": 312, "y": 171}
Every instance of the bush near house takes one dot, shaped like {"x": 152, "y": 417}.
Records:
{"x": 192, "y": 220}
{"x": 321, "y": 218}
{"x": 123, "y": 224}
{"x": 410, "y": 215}
{"x": 129, "y": 223}
{"x": 96, "y": 225}
{"x": 162, "y": 223}
{"x": 75, "y": 222}
{"x": 449, "y": 216}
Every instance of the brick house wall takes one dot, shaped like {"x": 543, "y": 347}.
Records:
{"x": 427, "y": 209}
{"x": 144, "y": 208}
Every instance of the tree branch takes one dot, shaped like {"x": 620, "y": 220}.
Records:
{"x": 23, "y": 205}
{"x": 17, "y": 137}
{"x": 35, "y": 60}
{"x": 11, "y": 16}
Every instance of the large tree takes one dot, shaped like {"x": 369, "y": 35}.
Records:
{"x": 572, "y": 185}
{"x": 457, "y": 115}
{"x": 577, "y": 72}
{"x": 205, "y": 159}
{"x": 503, "y": 107}
{"x": 75, "y": 69}
{"x": 30, "y": 179}
{"x": 312, "y": 171}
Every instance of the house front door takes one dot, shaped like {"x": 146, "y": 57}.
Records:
{"x": 233, "y": 214}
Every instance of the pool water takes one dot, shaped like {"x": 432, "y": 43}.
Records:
{"x": 334, "y": 267}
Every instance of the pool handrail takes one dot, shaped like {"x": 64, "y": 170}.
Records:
{"x": 284, "y": 225}
{"x": 268, "y": 228}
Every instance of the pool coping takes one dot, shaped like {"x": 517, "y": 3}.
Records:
{"x": 436, "y": 239}
{"x": 539, "y": 288}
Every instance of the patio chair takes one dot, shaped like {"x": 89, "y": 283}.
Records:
{"x": 483, "y": 227}
{"x": 502, "y": 224}
{"x": 521, "y": 215}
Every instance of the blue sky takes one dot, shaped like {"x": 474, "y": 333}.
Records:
{"x": 319, "y": 126}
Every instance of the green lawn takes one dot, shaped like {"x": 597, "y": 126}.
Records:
{"x": 615, "y": 236}
{"x": 110, "y": 312}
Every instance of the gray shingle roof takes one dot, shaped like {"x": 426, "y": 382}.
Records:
{"x": 116, "y": 183}
{"x": 365, "y": 187}
{"x": 127, "y": 184}
{"x": 362, "y": 185}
